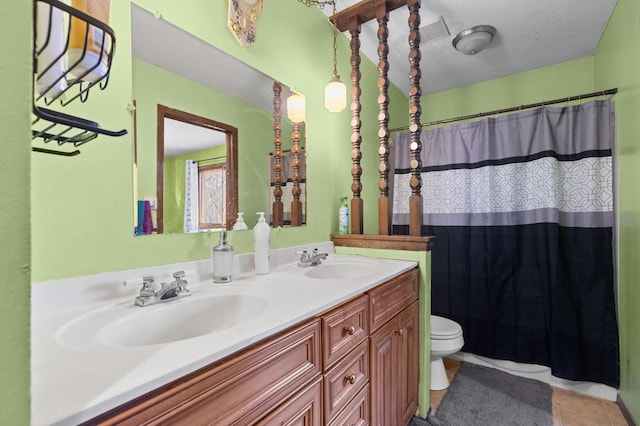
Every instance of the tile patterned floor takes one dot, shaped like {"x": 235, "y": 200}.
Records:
{"x": 569, "y": 408}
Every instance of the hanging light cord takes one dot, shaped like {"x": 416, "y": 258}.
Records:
{"x": 321, "y": 4}
{"x": 335, "y": 45}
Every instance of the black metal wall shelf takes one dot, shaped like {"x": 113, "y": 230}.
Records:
{"x": 62, "y": 77}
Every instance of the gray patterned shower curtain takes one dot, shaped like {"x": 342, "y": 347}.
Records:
{"x": 522, "y": 210}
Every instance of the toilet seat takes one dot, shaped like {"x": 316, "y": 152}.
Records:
{"x": 444, "y": 329}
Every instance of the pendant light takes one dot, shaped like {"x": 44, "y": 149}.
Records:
{"x": 335, "y": 92}
{"x": 296, "y": 108}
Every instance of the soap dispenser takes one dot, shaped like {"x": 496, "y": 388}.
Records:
{"x": 240, "y": 223}
{"x": 222, "y": 260}
{"x": 261, "y": 245}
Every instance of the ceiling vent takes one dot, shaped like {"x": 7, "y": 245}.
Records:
{"x": 433, "y": 30}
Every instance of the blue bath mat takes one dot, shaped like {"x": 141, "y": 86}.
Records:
{"x": 483, "y": 396}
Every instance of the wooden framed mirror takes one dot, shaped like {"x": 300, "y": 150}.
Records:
{"x": 217, "y": 158}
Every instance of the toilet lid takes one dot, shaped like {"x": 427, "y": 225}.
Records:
{"x": 444, "y": 328}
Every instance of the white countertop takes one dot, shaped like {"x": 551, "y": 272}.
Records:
{"x": 72, "y": 383}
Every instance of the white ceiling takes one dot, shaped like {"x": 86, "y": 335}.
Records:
{"x": 530, "y": 34}
{"x": 181, "y": 138}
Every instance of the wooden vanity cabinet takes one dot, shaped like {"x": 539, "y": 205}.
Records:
{"x": 238, "y": 391}
{"x": 394, "y": 350}
{"x": 356, "y": 364}
{"x": 302, "y": 409}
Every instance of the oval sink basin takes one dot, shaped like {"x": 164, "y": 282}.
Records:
{"x": 336, "y": 268}
{"x": 186, "y": 318}
{"x": 176, "y": 322}
{"x": 338, "y": 271}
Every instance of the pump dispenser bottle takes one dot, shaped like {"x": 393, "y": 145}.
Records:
{"x": 240, "y": 224}
{"x": 261, "y": 245}
{"x": 222, "y": 260}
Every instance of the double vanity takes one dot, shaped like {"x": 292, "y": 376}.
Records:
{"x": 313, "y": 343}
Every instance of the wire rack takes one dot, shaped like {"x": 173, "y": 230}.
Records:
{"x": 72, "y": 55}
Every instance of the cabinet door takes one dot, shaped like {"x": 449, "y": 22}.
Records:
{"x": 408, "y": 362}
{"x": 303, "y": 409}
{"x": 384, "y": 361}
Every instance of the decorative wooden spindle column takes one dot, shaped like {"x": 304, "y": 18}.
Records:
{"x": 296, "y": 204}
{"x": 415, "y": 200}
{"x": 384, "y": 209}
{"x": 356, "y": 214}
{"x": 278, "y": 208}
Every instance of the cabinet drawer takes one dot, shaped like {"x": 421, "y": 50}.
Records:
{"x": 303, "y": 409}
{"x": 239, "y": 391}
{"x": 392, "y": 297}
{"x": 343, "y": 329}
{"x": 356, "y": 413}
{"x": 345, "y": 379}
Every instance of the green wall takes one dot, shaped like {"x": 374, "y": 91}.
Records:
{"x": 15, "y": 69}
{"x": 617, "y": 64}
{"x": 553, "y": 82}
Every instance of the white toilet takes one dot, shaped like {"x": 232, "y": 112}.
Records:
{"x": 446, "y": 339}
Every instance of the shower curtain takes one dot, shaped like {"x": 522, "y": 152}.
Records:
{"x": 522, "y": 210}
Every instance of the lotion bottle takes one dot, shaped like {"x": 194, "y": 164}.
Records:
{"x": 222, "y": 260}
{"x": 261, "y": 245}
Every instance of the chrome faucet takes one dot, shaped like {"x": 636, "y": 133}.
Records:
{"x": 310, "y": 259}
{"x": 167, "y": 292}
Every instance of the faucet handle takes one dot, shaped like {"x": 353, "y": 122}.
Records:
{"x": 146, "y": 291}
{"x": 143, "y": 281}
{"x": 181, "y": 283}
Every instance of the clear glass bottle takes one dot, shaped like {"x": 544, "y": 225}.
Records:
{"x": 222, "y": 260}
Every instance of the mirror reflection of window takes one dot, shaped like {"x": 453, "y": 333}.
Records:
{"x": 212, "y": 197}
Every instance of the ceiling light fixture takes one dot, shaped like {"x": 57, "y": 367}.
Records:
{"x": 335, "y": 92}
{"x": 474, "y": 39}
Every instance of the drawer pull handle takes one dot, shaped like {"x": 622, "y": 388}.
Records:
{"x": 399, "y": 331}
{"x": 350, "y": 330}
{"x": 351, "y": 379}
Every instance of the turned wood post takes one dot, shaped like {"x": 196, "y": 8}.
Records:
{"x": 277, "y": 217}
{"x": 356, "y": 214}
{"x": 296, "y": 204}
{"x": 415, "y": 200}
{"x": 384, "y": 209}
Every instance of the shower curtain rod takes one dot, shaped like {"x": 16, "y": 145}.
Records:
{"x": 518, "y": 108}
{"x": 210, "y": 159}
